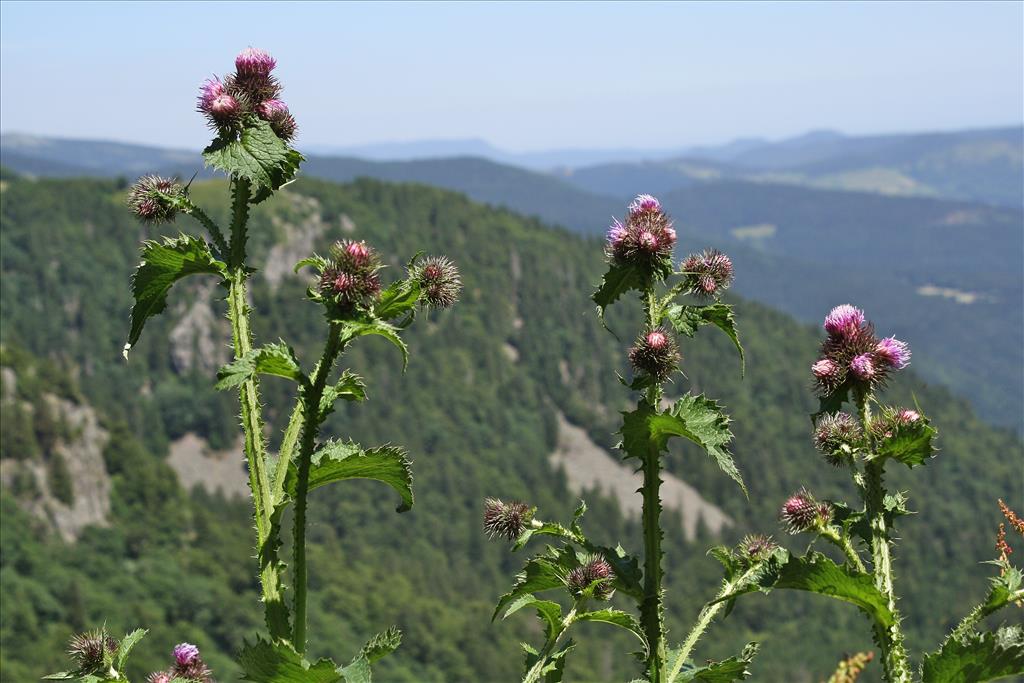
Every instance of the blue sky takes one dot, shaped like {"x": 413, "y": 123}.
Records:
{"x": 523, "y": 76}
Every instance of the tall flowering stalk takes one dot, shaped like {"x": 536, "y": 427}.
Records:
{"x": 853, "y": 368}
{"x": 253, "y": 130}
{"x": 639, "y": 252}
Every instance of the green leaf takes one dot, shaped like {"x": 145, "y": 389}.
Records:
{"x": 736, "y": 668}
{"x": 618, "y": 618}
{"x": 163, "y": 264}
{"x": 272, "y": 359}
{"x": 127, "y": 643}
{"x": 1003, "y": 590}
{"x": 382, "y": 644}
{"x": 540, "y": 573}
{"x": 257, "y": 154}
{"x": 911, "y": 444}
{"x": 264, "y": 662}
{"x": 338, "y": 461}
{"x": 702, "y": 421}
{"x": 816, "y": 573}
{"x": 350, "y": 329}
{"x": 400, "y": 298}
{"x": 977, "y": 657}
{"x": 350, "y": 388}
{"x": 686, "y": 320}
{"x": 547, "y": 611}
{"x": 554, "y": 667}
{"x": 618, "y": 280}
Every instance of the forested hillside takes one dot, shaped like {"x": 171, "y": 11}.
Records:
{"x": 479, "y": 411}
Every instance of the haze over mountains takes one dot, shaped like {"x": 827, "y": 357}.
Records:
{"x": 811, "y": 222}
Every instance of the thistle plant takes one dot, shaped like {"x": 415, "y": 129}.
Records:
{"x": 852, "y": 370}
{"x": 253, "y": 130}
{"x": 639, "y": 252}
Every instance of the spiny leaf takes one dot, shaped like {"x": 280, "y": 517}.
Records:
{"x": 350, "y": 329}
{"x": 540, "y": 573}
{"x": 687, "y": 320}
{"x": 257, "y": 154}
{"x": 400, "y": 298}
{"x": 349, "y": 387}
{"x": 977, "y": 657}
{"x": 618, "y": 618}
{"x": 911, "y": 444}
{"x": 338, "y": 461}
{"x": 264, "y": 662}
{"x": 127, "y": 643}
{"x": 816, "y": 573}
{"x": 736, "y": 668}
{"x": 618, "y": 280}
{"x": 382, "y": 644}
{"x": 271, "y": 359}
{"x": 1003, "y": 589}
{"x": 548, "y": 611}
{"x": 163, "y": 264}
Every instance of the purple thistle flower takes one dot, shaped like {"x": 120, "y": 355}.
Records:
{"x": 350, "y": 278}
{"x": 153, "y": 199}
{"x": 439, "y": 280}
{"x": 89, "y": 650}
{"x": 643, "y": 204}
{"x": 824, "y": 369}
{"x": 616, "y": 234}
{"x": 757, "y": 547}
{"x": 185, "y": 654}
{"x": 254, "y": 62}
{"x": 655, "y": 354}
{"x": 893, "y": 352}
{"x": 269, "y": 109}
{"x": 211, "y": 89}
{"x": 842, "y": 319}
{"x": 506, "y": 520}
{"x": 800, "y": 512}
{"x": 595, "y": 568}
{"x": 159, "y": 677}
{"x": 863, "y": 367}
{"x": 707, "y": 274}
{"x": 907, "y": 416}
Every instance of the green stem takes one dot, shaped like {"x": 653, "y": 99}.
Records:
{"x": 842, "y": 541}
{"x": 284, "y": 454}
{"x": 534, "y": 674}
{"x": 211, "y": 227}
{"x": 968, "y": 623}
{"x": 310, "y": 428}
{"x": 889, "y": 638}
{"x": 707, "y": 614}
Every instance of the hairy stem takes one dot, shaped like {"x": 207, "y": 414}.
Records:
{"x": 889, "y": 638}
{"x": 310, "y": 428}
{"x": 211, "y": 227}
{"x": 287, "y": 449}
{"x": 707, "y": 614}
{"x": 535, "y": 673}
{"x": 842, "y": 541}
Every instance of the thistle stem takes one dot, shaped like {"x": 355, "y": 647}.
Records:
{"x": 310, "y": 428}
{"x": 889, "y": 638}
{"x": 536, "y": 671}
{"x": 842, "y": 541}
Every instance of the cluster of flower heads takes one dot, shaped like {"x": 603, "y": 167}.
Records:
{"x": 351, "y": 276}
{"x": 801, "y": 512}
{"x": 439, "y": 281}
{"x": 836, "y": 436}
{"x": 707, "y": 274}
{"x": 647, "y": 237}
{"x": 91, "y": 651}
{"x": 188, "y": 666}
{"x": 655, "y": 354}
{"x": 889, "y": 423}
{"x": 251, "y": 90}
{"x": 595, "y": 571}
{"x": 506, "y": 520}
{"x": 852, "y": 355}
{"x": 153, "y": 199}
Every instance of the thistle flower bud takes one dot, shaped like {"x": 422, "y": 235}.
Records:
{"x": 350, "y": 277}
{"x": 863, "y": 367}
{"x": 595, "y": 568}
{"x": 153, "y": 199}
{"x": 655, "y": 354}
{"x": 189, "y": 665}
{"x": 254, "y": 62}
{"x": 893, "y": 353}
{"x": 708, "y": 274}
{"x": 159, "y": 677}
{"x": 801, "y": 512}
{"x": 836, "y": 436}
{"x": 185, "y": 654}
{"x": 439, "y": 281}
{"x": 646, "y": 239}
{"x": 268, "y": 109}
{"x": 843, "y": 319}
{"x": 885, "y": 425}
{"x": 825, "y": 369}
{"x": 281, "y": 121}
{"x": 506, "y": 520}
{"x": 757, "y": 547}
{"x": 907, "y": 416}
{"x": 89, "y": 650}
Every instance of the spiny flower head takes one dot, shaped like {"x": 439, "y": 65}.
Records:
{"x": 843, "y": 319}
{"x": 656, "y": 354}
{"x": 439, "y": 280}
{"x": 90, "y": 650}
{"x": 254, "y": 62}
{"x": 159, "y": 677}
{"x": 801, "y": 512}
{"x": 891, "y": 420}
{"x": 350, "y": 277}
{"x": 757, "y": 547}
{"x": 646, "y": 239}
{"x": 595, "y": 568}
{"x": 707, "y": 274}
{"x": 852, "y": 356}
{"x": 893, "y": 352}
{"x": 506, "y": 520}
{"x": 281, "y": 121}
{"x": 836, "y": 436}
{"x": 153, "y": 199}
{"x": 189, "y": 665}
{"x": 185, "y": 653}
